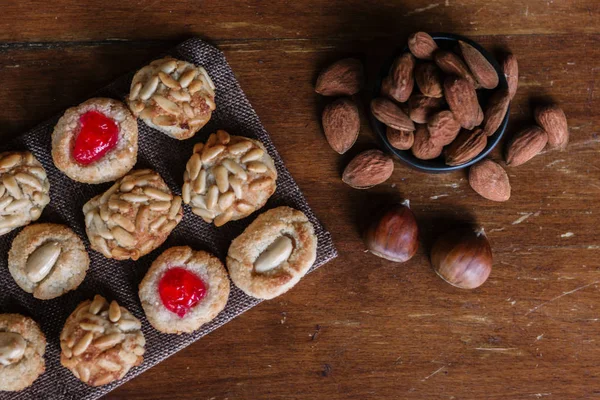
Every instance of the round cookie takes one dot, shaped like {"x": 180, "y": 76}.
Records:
{"x": 183, "y": 290}
{"x": 101, "y": 342}
{"x": 173, "y": 96}
{"x": 273, "y": 253}
{"x": 47, "y": 260}
{"x": 24, "y": 189}
{"x": 133, "y": 217}
{"x": 228, "y": 178}
{"x": 96, "y": 141}
{"x": 22, "y": 348}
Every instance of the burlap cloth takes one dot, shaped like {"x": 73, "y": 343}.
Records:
{"x": 119, "y": 279}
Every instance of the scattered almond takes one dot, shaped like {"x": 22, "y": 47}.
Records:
{"x": 490, "y": 180}
{"x": 398, "y": 85}
{"x": 553, "y": 120}
{"x": 422, "y": 45}
{"x": 480, "y": 67}
{"x": 452, "y": 64}
{"x": 526, "y": 145}
{"x": 424, "y": 148}
{"x": 429, "y": 79}
{"x": 367, "y": 169}
{"x": 342, "y": 78}
{"x": 341, "y": 123}
{"x": 421, "y": 107}
{"x": 467, "y": 146}
{"x": 443, "y": 128}
{"x": 462, "y": 99}
{"x": 391, "y": 115}
{"x": 510, "y": 67}
{"x": 401, "y": 140}
{"x": 496, "y": 111}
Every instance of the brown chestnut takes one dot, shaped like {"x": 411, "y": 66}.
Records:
{"x": 463, "y": 258}
{"x": 394, "y": 234}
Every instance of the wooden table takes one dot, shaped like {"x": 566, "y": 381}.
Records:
{"x": 362, "y": 327}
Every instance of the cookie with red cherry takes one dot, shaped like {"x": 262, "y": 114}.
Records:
{"x": 96, "y": 141}
{"x": 183, "y": 290}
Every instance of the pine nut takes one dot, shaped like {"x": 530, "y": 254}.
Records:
{"x": 160, "y": 205}
{"x": 114, "y": 311}
{"x": 198, "y": 201}
{"x": 39, "y": 172}
{"x": 83, "y": 344}
{"x": 189, "y": 112}
{"x": 212, "y": 140}
{"x": 141, "y": 219}
{"x": 10, "y": 160}
{"x": 101, "y": 228}
{"x": 223, "y": 218}
{"x": 123, "y": 222}
{"x": 164, "y": 120}
{"x": 134, "y": 198}
{"x": 135, "y": 91}
{"x": 97, "y": 304}
{"x": 9, "y": 222}
{"x": 5, "y": 201}
{"x": 157, "y": 194}
{"x": 27, "y": 179}
{"x": 261, "y": 183}
{"x": 221, "y": 178}
{"x": 240, "y": 147}
{"x": 19, "y": 205}
{"x": 108, "y": 365}
{"x": 102, "y": 247}
{"x": 35, "y": 213}
{"x": 195, "y": 86}
{"x": 168, "y": 81}
{"x": 108, "y": 341}
{"x": 226, "y": 200}
{"x": 223, "y": 137}
{"x": 193, "y": 166}
{"x": 127, "y": 186}
{"x": 212, "y": 197}
{"x": 207, "y": 77}
{"x": 180, "y": 96}
{"x": 11, "y": 185}
{"x": 166, "y": 104}
{"x": 235, "y": 168}
{"x": 200, "y": 183}
{"x": 187, "y": 77}
{"x": 121, "y": 253}
{"x": 252, "y": 155}
{"x": 209, "y": 153}
{"x": 137, "y": 106}
{"x": 157, "y": 223}
{"x": 112, "y": 190}
{"x": 244, "y": 207}
{"x": 168, "y": 227}
{"x": 86, "y": 326}
{"x": 256, "y": 166}
{"x": 103, "y": 379}
{"x": 186, "y": 192}
{"x": 236, "y": 185}
{"x": 84, "y": 373}
{"x": 104, "y": 212}
{"x": 123, "y": 237}
{"x": 168, "y": 67}
{"x": 149, "y": 88}
{"x": 129, "y": 324}
{"x": 204, "y": 213}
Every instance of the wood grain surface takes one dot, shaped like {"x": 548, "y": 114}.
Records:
{"x": 362, "y": 327}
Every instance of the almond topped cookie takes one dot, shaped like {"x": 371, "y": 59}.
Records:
{"x": 228, "y": 178}
{"x": 173, "y": 96}
{"x": 96, "y": 141}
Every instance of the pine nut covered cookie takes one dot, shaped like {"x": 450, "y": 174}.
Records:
{"x": 24, "y": 189}
{"x": 173, "y": 96}
{"x": 96, "y": 141}
{"x": 183, "y": 290}
{"x": 133, "y": 217}
{"x": 101, "y": 342}
{"x": 228, "y": 178}
{"x": 273, "y": 253}
{"x": 48, "y": 260}
{"x": 22, "y": 348}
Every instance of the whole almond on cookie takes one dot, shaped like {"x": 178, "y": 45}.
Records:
{"x": 525, "y": 145}
{"x": 422, "y": 45}
{"x": 429, "y": 79}
{"x": 490, "y": 180}
{"x": 480, "y": 67}
{"x": 424, "y": 148}
{"x": 495, "y": 111}
{"x": 451, "y": 64}
{"x": 398, "y": 85}
{"x": 367, "y": 169}
{"x": 342, "y": 78}
{"x": 391, "y": 115}
{"x": 401, "y": 140}
{"x": 467, "y": 146}
{"x": 443, "y": 128}
{"x": 510, "y": 67}
{"x": 341, "y": 124}
{"x": 462, "y": 99}
{"x": 422, "y": 107}
{"x": 553, "y": 120}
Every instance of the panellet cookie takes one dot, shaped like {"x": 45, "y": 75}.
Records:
{"x": 24, "y": 189}
{"x": 173, "y": 96}
{"x": 228, "y": 178}
{"x": 22, "y": 348}
{"x": 96, "y": 141}
{"x": 100, "y": 342}
{"x": 183, "y": 290}
{"x": 273, "y": 253}
{"x": 48, "y": 260}
{"x": 133, "y": 217}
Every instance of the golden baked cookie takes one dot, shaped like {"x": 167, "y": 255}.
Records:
{"x": 133, "y": 217}
{"x": 228, "y": 178}
{"x": 24, "y": 189}
{"x": 273, "y": 253}
{"x": 22, "y": 348}
{"x": 48, "y": 260}
{"x": 173, "y": 96}
{"x": 100, "y": 342}
{"x": 96, "y": 141}
{"x": 183, "y": 290}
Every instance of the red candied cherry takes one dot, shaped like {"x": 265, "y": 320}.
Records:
{"x": 99, "y": 134}
{"x": 180, "y": 290}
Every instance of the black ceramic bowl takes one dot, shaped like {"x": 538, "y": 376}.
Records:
{"x": 445, "y": 41}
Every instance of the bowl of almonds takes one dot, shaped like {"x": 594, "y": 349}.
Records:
{"x": 441, "y": 103}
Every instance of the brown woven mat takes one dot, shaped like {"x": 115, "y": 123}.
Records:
{"x": 119, "y": 279}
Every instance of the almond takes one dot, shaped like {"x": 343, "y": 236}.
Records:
{"x": 496, "y": 111}
{"x": 443, "y": 128}
{"x": 490, "y": 180}
{"x": 466, "y": 147}
{"x": 452, "y": 64}
{"x": 391, "y": 115}
{"x": 401, "y": 140}
{"x": 525, "y": 145}
{"x": 421, "y": 107}
{"x": 429, "y": 79}
{"x": 462, "y": 99}
{"x": 424, "y": 148}
{"x": 480, "y": 67}
{"x": 341, "y": 123}
{"x": 510, "y": 67}
{"x": 343, "y": 78}
{"x": 398, "y": 85}
{"x": 367, "y": 169}
{"x": 553, "y": 120}
{"x": 422, "y": 45}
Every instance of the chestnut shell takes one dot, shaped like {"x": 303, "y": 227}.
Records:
{"x": 394, "y": 234}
